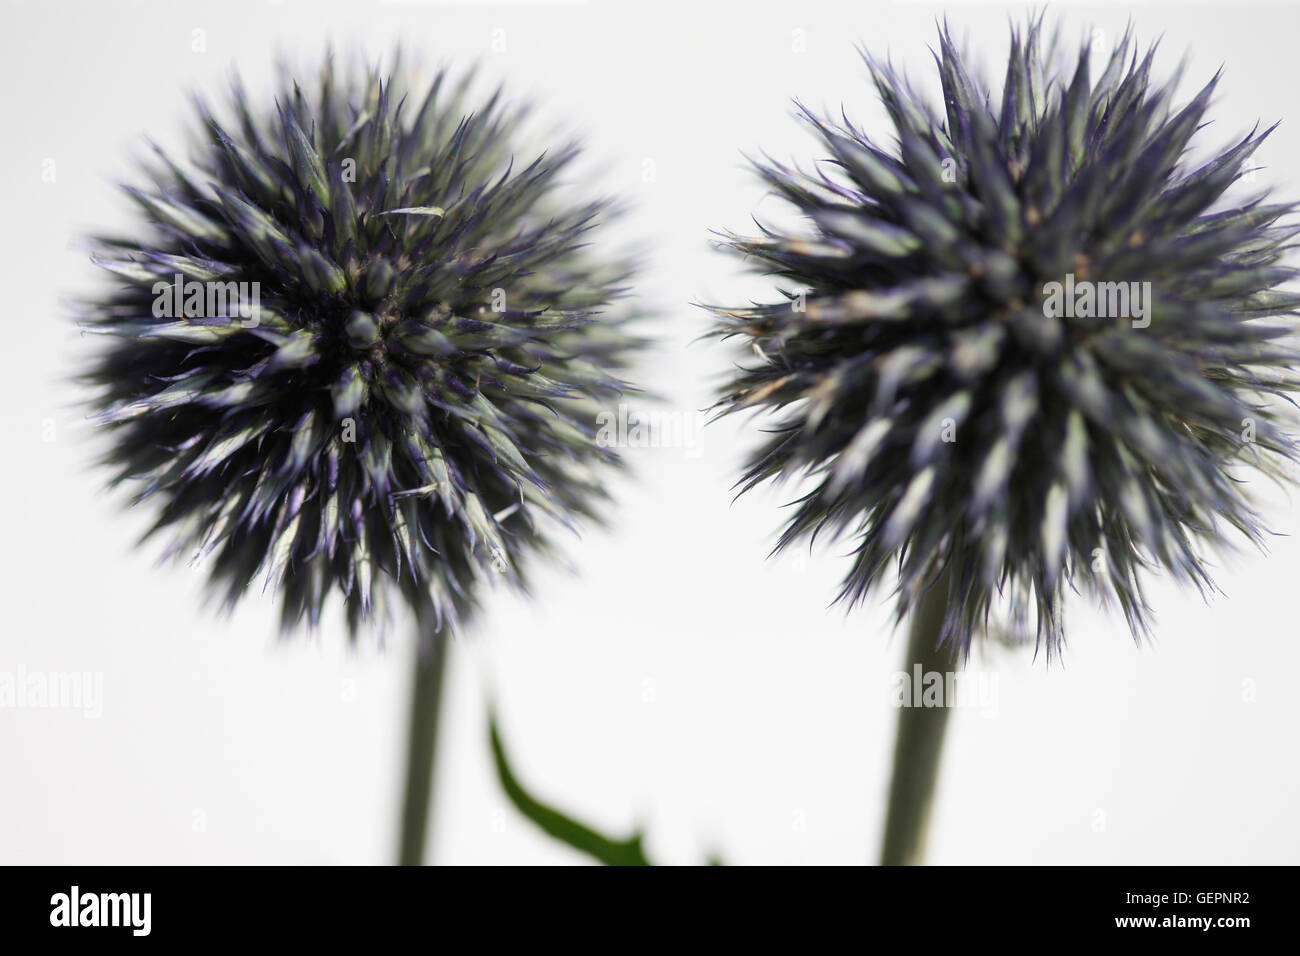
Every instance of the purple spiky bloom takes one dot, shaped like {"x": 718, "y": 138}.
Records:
{"x": 415, "y": 398}
{"x": 955, "y": 418}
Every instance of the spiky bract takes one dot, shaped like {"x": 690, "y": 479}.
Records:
{"x": 948, "y": 415}
{"x": 420, "y": 385}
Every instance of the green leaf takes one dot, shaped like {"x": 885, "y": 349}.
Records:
{"x": 563, "y": 828}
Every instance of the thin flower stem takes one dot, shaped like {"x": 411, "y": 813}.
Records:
{"x": 919, "y": 744}
{"x": 421, "y": 752}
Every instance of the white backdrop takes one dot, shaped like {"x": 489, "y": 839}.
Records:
{"x": 678, "y": 679}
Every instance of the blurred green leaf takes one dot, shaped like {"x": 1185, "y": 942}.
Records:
{"x": 563, "y": 828}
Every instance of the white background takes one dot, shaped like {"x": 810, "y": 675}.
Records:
{"x": 677, "y": 679}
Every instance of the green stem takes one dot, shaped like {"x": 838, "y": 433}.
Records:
{"x": 422, "y": 741}
{"x": 920, "y": 738}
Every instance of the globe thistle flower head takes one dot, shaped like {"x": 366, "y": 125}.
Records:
{"x": 409, "y": 399}
{"x": 1029, "y": 343}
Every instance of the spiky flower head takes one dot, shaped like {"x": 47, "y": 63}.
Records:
{"x": 356, "y": 347}
{"x": 1027, "y": 343}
